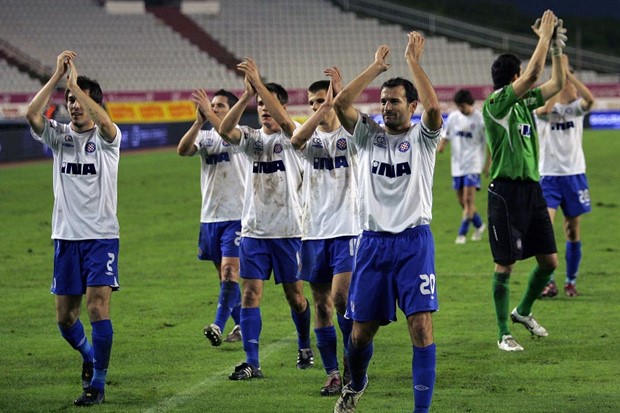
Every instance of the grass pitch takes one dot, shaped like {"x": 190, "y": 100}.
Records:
{"x": 162, "y": 363}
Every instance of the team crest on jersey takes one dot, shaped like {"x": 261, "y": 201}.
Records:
{"x": 404, "y": 146}
{"x": 341, "y": 144}
{"x": 525, "y": 130}
{"x": 258, "y": 146}
{"x": 380, "y": 141}
{"x": 68, "y": 138}
{"x": 209, "y": 142}
{"x": 317, "y": 143}
{"x": 90, "y": 147}
{"x": 277, "y": 148}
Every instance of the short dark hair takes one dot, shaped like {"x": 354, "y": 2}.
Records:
{"x": 94, "y": 90}
{"x": 319, "y": 85}
{"x": 410, "y": 91}
{"x": 503, "y": 70}
{"x": 463, "y": 96}
{"x": 279, "y": 91}
{"x": 232, "y": 98}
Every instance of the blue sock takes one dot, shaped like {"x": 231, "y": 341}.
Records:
{"x": 326, "y": 343}
{"x": 423, "y": 373}
{"x": 251, "y": 325}
{"x": 102, "y": 346}
{"x": 302, "y": 324}
{"x": 228, "y": 298}
{"x": 346, "y": 325}
{"x": 236, "y": 310}
{"x": 464, "y": 227}
{"x": 77, "y": 339}
{"x": 573, "y": 258}
{"x": 359, "y": 358}
{"x": 477, "y": 221}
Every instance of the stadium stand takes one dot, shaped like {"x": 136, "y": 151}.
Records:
{"x": 292, "y": 41}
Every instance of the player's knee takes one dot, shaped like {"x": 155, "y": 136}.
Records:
{"x": 229, "y": 272}
{"x": 340, "y": 303}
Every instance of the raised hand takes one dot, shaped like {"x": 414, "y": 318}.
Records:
{"x": 336, "y": 79}
{"x": 62, "y": 61}
{"x": 72, "y": 75}
{"x": 380, "y": 57}
{"x": 203, "y": 104}
{"x": 544, "y": 26}
{"x": 250, "y": 70}
{"x": 415, "y": 46}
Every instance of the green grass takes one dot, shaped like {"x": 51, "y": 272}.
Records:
{"x": 162, "y": 363}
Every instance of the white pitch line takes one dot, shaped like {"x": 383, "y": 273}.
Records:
{"x": 181, "y": 398}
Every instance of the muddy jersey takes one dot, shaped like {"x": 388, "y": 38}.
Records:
{"x": 329, "y": 186}
{"x": 85, "y": 175}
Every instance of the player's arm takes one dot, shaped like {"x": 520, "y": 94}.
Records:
{"x": 228, "y": 130}
{"x": 273, "y": 105}
{"x": 204, "y": 113}
{"x": 305, "y": 131}
{"x": 587, "y": 98}
{"x": 547, "y": 107}
{"x": 34, "y": 115}
{"x": 426, "y": 93}
{"x": 343, "y": 104}
{"x": 544, "y": 29}
{"x": 97, "y": 113}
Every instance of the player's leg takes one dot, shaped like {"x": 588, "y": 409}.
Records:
{"x": 472, "y": 185}
{"x": 359, "y": 352}
{"x": 572, "y": 229}
{"x": 538, "y": 240}
{"x": 285, "y": 255}
{"x": 417, "y": 298}
{"x": 229, "y": 298}
{"x": 457, "y": 185}
{"x": 501, "y": 240}
{"x": 423, "y": 363}
{"x": 69, "y": 287}
{"x": 577, "y": 202}
{"x": 326, "y": 339}
{"x": 551, "y": 289}
{"x": 98, "y": 304}
{"x": 255, "y": 268}
{"x": 72, "y": 330}
{"x": 301, "y": 315}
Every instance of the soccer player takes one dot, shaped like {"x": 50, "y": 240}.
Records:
{"x": 84, "y": 225}
{"x": 563, "y": 168}
{"x": 220, "y": 218}
{"x": 329, "y": 220}
{"x": 271, "y": 227}
{"x": 464, "y": 130}
{"x": 394, "y": 259}
{"x": 519, "y": 224}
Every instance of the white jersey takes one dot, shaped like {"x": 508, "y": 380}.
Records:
{"x": 222, "y": 178}
{"x": 561, "y": 136}
{"x": 329, "y": 186}
{"x": 272, "y": 203}
{"x": 395, "y": 175}
{"x": 84, "y": 182}
{"x": 467, "y": 142}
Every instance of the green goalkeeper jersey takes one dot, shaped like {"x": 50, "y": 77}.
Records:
{"x": 511, "y": 133}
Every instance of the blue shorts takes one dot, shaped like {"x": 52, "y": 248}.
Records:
{"x": 390, "y": 268}
{"x": 81, "y": 264}
{"x": 259, "y": 257}
{"x": 569, "y": 192}
{"x": 219, "y": 239}
{"x": 460, "y": 182}
{"x": 321, "y": 259}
